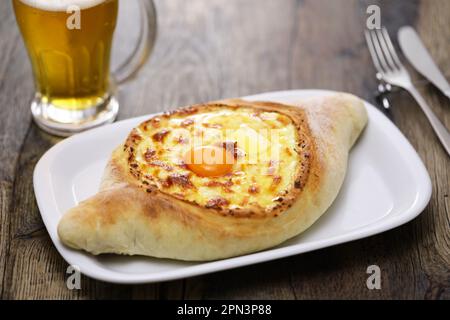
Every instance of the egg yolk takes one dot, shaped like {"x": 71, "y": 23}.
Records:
{"x": 209, "y": 161}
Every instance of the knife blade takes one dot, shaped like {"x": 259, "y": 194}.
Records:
{"x": 416, "y": 53}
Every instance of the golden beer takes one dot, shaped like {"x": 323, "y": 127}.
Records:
{"x": 70, "y": 65}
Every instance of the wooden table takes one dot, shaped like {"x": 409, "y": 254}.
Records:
{"x": 216, "y": 49}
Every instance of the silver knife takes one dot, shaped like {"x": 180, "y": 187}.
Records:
{"x": 415, "y": 51}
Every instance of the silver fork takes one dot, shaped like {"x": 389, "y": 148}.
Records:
{"x": 392, "y": 71}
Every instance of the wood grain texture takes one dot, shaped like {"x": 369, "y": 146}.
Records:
{"x": 216, "y": 49}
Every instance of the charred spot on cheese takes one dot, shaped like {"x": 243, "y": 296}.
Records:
{"x": 160, "y": 136}
{"x": 149, "y": 154}
{"x": 212, "y": 125}
{"x": 161, "y": 164}
{"x": 226, "y": 186}
{"x": 157, "y": 154}
{"x": 135, "y": 136}
{"x": 253, "y": 189}
{"x": 180, "y": 179}
{"x": 229, "y": 145}
{"x": 182, "y": 111}
{"x": 155, "y": 122}
{"x": 232, "y": 147}
{"x": 217, "y": 203}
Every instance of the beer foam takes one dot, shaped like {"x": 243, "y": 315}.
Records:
{"x": 61, "y": 5}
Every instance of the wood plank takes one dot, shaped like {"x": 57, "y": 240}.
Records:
{"x": 5, "y": 196}
{"x": 432, "y": 229}
{"x": 14, "y": 123}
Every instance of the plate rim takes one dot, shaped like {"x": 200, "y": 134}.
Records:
{"x": 423, "y": 196}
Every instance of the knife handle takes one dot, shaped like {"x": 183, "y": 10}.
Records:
{"x": 440, "y": 130}
{"x": 447, "y": 93}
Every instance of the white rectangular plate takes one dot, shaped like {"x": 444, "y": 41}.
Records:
{"x": 386, "y": 186}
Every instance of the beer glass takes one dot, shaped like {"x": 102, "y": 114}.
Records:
{"x": 69, "y": 43}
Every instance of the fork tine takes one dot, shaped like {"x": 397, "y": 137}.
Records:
{"x": 385, "y": 49}
{"x": 372, "y": 52}
{"x": 379, "y": 52}
{"x": 391, "y": 47}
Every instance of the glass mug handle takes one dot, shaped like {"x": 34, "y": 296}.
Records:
{"x": 128, "y": 69}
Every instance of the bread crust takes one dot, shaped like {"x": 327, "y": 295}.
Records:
{"x": 130, "y": 216}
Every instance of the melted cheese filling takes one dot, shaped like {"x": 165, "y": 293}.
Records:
{"x": 266, "y": 160}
